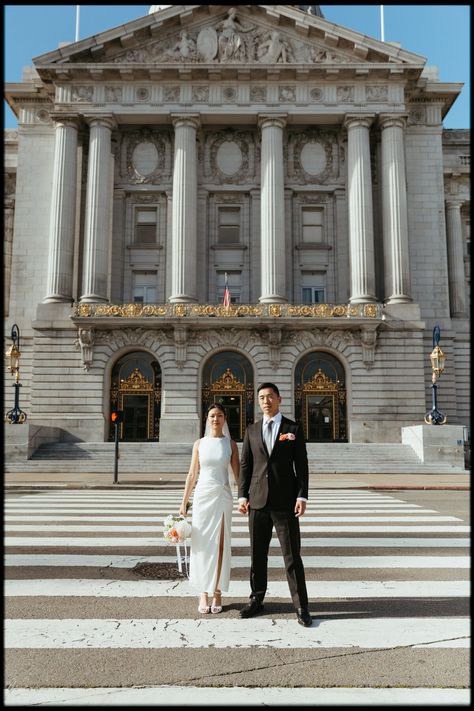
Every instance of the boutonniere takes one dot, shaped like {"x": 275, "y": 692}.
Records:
{"x": 289, "y": 436}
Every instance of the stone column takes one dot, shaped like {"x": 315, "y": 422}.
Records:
{"x": 457, "y": 278}
{"x": 273, "y": 252}
{"x": 184, "y": 230}
{"x": 361, "y": 219}
{"x": 394, "y": 210}
{"x": 63, "y": 213}
{"x": 95, "y": 264}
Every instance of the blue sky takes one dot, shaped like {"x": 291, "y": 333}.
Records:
{"x": 441, "y": 33}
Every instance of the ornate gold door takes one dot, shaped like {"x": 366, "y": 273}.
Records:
{"x": 228, "y": 381}
{"x": 137, "y": 392}
{"x": 320, "y": 401}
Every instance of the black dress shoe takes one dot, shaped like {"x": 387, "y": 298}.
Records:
{"x": 304, "y": 618}
{"x": 251, "y": 609}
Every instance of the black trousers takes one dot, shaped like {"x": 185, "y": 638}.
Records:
{"x": 287, "y": 526}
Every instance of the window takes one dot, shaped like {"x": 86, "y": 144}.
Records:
{"x": 312, "y": 224}
{"x": 234, "y": 283}
{"x": 145, "y": 225}
{"x": 313, "y": 287}
{"x": 228, "y": 231}
{"x": 144, "y": 287}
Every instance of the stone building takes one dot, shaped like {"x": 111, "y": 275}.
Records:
{"x": 304, "y": 162}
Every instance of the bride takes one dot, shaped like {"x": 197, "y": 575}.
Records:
{"x": 212, "y": 509}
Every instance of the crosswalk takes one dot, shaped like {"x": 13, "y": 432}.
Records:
{"x": 384, "y": 576}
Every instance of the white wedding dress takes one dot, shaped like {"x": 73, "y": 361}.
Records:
{"x": 212, "y": 508}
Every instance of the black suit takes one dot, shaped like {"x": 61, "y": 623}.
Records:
{"x": 272, "y": 483}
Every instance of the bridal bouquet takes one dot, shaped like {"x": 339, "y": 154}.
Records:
{"x": 176, "y": 529}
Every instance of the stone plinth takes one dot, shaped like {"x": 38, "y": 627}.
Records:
{"x": 182, "y": 429}
{"x": 436, "y": 444}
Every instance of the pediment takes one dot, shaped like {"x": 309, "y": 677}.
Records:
{"x": 219, "y": 36}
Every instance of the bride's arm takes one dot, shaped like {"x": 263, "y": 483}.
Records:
{"x": 234, "y": 462}
{"x": 191, "y": 478}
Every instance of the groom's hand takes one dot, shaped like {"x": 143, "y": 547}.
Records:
{"x": 243, "y": 507}
{"x": 300, "y": 508}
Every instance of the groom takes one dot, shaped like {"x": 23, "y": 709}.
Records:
{"x": 273, "y": 490}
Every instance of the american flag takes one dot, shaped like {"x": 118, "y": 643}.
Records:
{"x": 226, "y": 299}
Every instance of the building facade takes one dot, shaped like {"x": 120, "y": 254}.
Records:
{"x": 301, "y": 163}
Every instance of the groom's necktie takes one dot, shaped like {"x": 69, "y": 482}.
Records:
{"x": 267, "y": 435}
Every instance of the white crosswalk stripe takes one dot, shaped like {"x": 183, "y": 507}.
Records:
{"x": 373, "y": 546}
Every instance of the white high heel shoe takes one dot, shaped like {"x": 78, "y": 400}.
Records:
{"x": 217, "y": 597}
{"x": 204, "y": 609}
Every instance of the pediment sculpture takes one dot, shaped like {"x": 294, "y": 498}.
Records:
{"x": 233, "y": 41}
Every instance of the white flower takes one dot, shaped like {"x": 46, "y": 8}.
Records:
{"x": 183, "y": 529}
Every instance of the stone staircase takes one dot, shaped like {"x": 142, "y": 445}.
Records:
{"x": 175, "y": 458}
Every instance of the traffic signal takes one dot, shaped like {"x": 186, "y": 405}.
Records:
{"x": 116, "y": 416}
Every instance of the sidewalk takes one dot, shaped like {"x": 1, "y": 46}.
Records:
{"x": 90, "y": 480}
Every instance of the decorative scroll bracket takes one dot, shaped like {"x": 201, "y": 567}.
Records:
{"x": 368, "y": 341}
{"x": 85, "y": 341}
{"x": 274, "y": 346}
{"x": 180, "y": 336}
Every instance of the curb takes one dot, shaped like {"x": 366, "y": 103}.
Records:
{"x": 382, "y": 487}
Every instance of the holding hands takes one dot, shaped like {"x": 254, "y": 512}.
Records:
{"x": 243, "y": 507}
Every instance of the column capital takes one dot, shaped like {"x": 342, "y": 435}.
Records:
{"x": 267, "y": 120}
{"x": 192, "y": 120}
{"x": 363, "y": 120}
{"x": 67, "y": 120}
{"x": 104, "y": 120}
{"x": 453, "y": 203}
{"x": 392, "y": 120}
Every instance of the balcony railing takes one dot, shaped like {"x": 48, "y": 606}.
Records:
{"x": 255, "y": 311}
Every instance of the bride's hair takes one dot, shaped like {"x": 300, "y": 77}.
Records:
{"x": 218, "y": 406}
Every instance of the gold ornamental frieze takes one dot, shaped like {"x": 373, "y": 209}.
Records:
{"x": 136, "y": 381}
{"x": 276, "y": 311}
{"x": 227, "y": 381}
{"x": 320, "y": 381}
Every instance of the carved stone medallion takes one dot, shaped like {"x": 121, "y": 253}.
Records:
{"x": 206, "y": 44}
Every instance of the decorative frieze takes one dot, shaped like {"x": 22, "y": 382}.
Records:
{"x": 167, "y": 311}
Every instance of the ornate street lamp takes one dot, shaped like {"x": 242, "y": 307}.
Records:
{"x": 438, "y": 359}
{"x": 15, "y": 416}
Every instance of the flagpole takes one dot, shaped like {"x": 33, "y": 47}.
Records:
{"x": 382, "y": 33}
{"x": 77, "y": 23}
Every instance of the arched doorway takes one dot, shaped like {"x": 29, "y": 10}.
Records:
{"x": 228, "y": 380}
{"x": 320, "y": 398}
{"x": 136, "y": 389}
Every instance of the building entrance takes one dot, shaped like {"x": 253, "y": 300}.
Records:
{"x": 228, "y": 380}
{"x": 136, "y": 389}
{"x": 320, "y": 398}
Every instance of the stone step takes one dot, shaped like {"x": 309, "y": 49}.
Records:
{"x": 158, "y": 457}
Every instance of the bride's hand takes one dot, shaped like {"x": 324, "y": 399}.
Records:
{"x": 182, "y": 510}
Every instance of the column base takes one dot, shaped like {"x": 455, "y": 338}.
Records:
{"x": 272, "y": 299}
{"x": 398, "y": 300}
{"x": 58, "y": 299}
{"x": 182, "y": 299}
{"x": 363, "y": 300}
{"x": 93, "y": 299}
